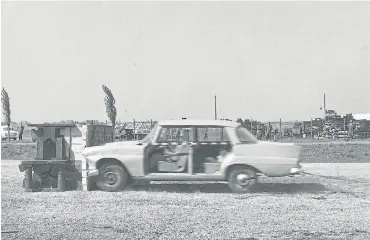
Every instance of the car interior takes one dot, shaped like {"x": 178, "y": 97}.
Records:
{"x": 175, "y": 158}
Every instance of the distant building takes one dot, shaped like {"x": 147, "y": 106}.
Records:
{"x": 361, "y": 116}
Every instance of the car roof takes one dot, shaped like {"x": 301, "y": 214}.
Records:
{"x": 186, "y": 122}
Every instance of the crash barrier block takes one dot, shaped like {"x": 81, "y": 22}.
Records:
{"x": 98, "y": 134}
{"x": 50, "y": 175}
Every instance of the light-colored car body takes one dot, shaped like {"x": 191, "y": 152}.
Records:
{"x": 4, "y": 133}
{"x": 268, "y": 158}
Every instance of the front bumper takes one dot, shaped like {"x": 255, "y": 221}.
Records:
{"x": 92, "y": 173}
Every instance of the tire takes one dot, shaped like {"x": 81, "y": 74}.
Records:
{"x": 241, "y": 179}
{"x": 112, "y": 178}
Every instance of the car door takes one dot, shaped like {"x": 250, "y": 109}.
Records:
{"x": 213, "y": 143}
{"x": 169, "y": 152}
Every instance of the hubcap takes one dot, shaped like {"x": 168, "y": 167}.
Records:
{"x": 242, "y": 180}
{"x": 110, "y": 178}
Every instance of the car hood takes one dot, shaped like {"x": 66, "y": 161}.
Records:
{"x": 114, "y": 149}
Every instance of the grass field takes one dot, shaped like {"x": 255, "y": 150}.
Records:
{"x": 313, "y": 151}
{"x": 332, "y": 203}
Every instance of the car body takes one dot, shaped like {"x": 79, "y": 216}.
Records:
{"x": 193, "y": 150}
{"x": 4, "y": 133}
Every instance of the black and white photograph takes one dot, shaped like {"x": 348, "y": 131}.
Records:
{"x": 189, "y": 120}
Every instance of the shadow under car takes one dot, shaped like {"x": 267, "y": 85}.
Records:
{"x": 292, "y": 188}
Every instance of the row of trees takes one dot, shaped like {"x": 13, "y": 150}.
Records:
{"x": 110, "y": 108}
{"x": 109, "y": 104}
{"x": 258, "y": 128}
{"x": 5, "y": 102}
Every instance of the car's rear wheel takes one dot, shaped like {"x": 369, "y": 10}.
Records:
{"x": 112, "y": 177}
{"x": 241, "y": 179}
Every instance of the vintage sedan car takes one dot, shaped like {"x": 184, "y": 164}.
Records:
{"x": 191, "y": 150}
{"x": 4, "y": 133}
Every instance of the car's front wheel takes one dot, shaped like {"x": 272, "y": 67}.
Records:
{"x": 241, "y": 179}
{"x": 112, "y": 177}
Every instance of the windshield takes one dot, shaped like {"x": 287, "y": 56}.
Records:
{"x": 148, "y": 138}
{"x": 244, "y": 135}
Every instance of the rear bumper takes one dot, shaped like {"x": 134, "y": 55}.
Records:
{"x": 296, "y": 170}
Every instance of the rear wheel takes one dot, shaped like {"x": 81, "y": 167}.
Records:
{"x": 112, "y": 177}
{"x": 241, "y": 179}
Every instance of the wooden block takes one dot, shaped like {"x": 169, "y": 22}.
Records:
{"x": 32, "y": 190}
{"x": 61, "y": 181}
{"x": 28, "y": 179}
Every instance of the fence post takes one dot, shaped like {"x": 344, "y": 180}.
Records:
{"x": 134, "y": 129}
{"x": 311, "y": 129}
{"x": 61, "y": 181}
{"x": 28, "y": 179}
{"x": 281, "y": 133}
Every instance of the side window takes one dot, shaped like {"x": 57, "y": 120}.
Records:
{"x": 212, "y": 134}
{"x": 175, "y": 134}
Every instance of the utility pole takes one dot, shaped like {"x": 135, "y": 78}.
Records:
{"x": 324, "y": 126}
{"x": 281, "y": 133}
{"x": 324, "y": 107}
{"x": 134, "y": 129}
{"x": 311, "y": 129}
{"x": 215, "y": 108}
{"x": 344, "y": 123}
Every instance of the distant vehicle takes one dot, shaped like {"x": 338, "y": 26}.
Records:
{"x": 189, "y": 150}
{"x": 118, "y": 134}
{"x": 4, "y": 133}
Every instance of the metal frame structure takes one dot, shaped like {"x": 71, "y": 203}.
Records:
{"x": 62, "y": 165}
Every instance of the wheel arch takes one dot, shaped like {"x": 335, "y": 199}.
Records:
{"x": 102, "y": 161}
{"x": 238, "y": 166}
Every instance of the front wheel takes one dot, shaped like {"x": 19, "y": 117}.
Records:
{"x": 241, "y": 179}
{"x": 112, "y": 177}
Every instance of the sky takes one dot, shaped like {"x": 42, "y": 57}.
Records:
{"x": 167, "y": 60}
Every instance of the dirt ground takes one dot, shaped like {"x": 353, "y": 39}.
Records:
{"x": 304, "y": 207}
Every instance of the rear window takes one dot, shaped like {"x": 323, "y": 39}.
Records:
{"x": 175, "y": 134}
{"x": 212, "y": 134}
